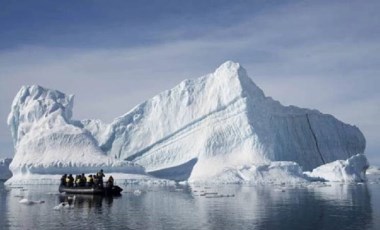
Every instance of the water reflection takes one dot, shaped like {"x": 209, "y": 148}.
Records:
{"x": 196, "y": 207}
{"x": 318, "y": 207}
{"x": 4, "y": 222}
{"x": 335, "y": 207}
{"x": 85, "y": 201}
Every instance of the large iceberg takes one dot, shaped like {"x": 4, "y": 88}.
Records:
{"x": 192, "y": 132}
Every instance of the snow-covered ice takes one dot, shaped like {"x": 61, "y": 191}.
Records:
{"x": 63, "y": 205}
{"x": 47, "y": 141}
{"x": 275, "y": 172}
{"x": 280, "y": 172}
{"x": 30, "y": 202}
{"x": 219, "y": 126}
{"x": 350, "y": 170}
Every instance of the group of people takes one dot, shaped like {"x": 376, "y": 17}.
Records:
{"x": 83, "y": 181}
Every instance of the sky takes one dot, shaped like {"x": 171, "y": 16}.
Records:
{"x": 113, "y": 55}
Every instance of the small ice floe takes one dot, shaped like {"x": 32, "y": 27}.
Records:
{"x": 63, "y": 205}
{"x": 137, "y": 192}
{"x": 219, "y": 195}
{"x": 208, "y": 193}
{"x": 279, "y": 190}
{"x": 53, "y": 193}
{"x": 30, "y": 202}
{"x": 214, "y": 196}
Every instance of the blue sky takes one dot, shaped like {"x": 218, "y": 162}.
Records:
{"x": 115, "y": 54}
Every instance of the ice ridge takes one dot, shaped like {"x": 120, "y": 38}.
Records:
{"x": 192, "y": 131}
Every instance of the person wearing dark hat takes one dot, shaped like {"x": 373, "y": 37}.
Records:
{"x": 100, "y": 176}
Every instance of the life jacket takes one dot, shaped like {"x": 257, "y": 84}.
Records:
{"x": 90, "y": 179}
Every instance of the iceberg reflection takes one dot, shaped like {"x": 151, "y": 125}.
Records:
{"x": 303, "y": 206}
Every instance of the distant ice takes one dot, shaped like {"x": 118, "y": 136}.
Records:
{"x": 5, "y": 173}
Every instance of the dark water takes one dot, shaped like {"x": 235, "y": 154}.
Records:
{"x": 169, "y": 207}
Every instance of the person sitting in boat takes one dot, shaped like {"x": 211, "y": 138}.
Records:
{"x": 70, "y": 181}
{"x": 100, "y": 176}
{"x": 63, "y": 179}
{"x": 90, "y": 181}
{"x": 95, "y": 178}
{"x": 82, "y": 180}
{"x": 110, "y": 182}
{"x": 77, "y": 181}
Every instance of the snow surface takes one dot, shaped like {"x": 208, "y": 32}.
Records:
{"x": 47, "y": 141}
{"x": 350, "y": 170}
{"x": 280, "y": 172}
{"x": 197, "y": 130}
{"x": 373, "y": 170}
{"x": 276, "y": 172}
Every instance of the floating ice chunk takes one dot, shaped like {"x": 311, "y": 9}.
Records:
{"x": 350, "y": 170}
{"x": 137, "y": 192}
{"x": 64, "y": 205}
{"x": 373, "y": 170}
{"x": 60, "y": 206}
{"x": 30, "y": 202}
{"x": 24, "y": 201}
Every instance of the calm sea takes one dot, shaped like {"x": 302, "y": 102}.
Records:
{"x": 354, "y": 206}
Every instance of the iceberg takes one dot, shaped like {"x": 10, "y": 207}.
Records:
{"x": 350, "y": 170}
{"x": 288, "y": 172}
{"x": 47, "y": 141}
{"x": 199, "y": 129}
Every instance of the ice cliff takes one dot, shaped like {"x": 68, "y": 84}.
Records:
{"x": 48, "y": 141}
{"x": 194, "y": 131}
